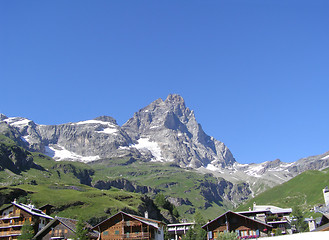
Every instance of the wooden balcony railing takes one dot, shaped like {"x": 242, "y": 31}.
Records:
{"x": 128, "y": 236}
{"x": 10, "y": 233}
{"x": 8, "y": 224}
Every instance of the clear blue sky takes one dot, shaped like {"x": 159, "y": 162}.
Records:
{"x": 255, "y": 72}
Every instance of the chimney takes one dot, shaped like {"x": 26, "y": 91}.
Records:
{"x": 146, "y": 214}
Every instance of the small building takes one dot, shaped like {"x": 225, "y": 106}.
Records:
{"x": 278, "y": 218}
{"x": 127, "y": 226}
{"x": 242, "y": 225}
{"x": 177, "y": 230}
{"x": 62, "y": 228}
{"x": 15, "y": 215}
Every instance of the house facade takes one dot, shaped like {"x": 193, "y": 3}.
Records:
{"x": 127, "y": 226}
{"x": 14, "y": 216}
{"x": 244, "y": 226}
{"x": 278, "y": 218}
{"x": 177, "y": 230}
{"x": 62, "y": 228}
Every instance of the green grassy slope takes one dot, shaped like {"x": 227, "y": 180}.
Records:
{"x": 170, "y": 180}
{"x": 58, "y": 184}
{"x": 305, "y": 190}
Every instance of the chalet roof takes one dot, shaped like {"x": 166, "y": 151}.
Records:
{"x": 324, "y": 227}
{"x": 154, "y": 223}
{"x": 180, "y": 224}
{"x": 29, "y": 209}
{"x": 234, "y": 213}
{"x": 68, "y": 222}
{"x": 272, "y": 209}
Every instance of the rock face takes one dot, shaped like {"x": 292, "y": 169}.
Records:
{"x": 16, "y": 159}
{"x": 168, "y": 131}
{"x": 125, "y": 185}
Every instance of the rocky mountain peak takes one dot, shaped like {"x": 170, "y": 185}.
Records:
{"x": 175, "y": 99}
{"x": 3, "y": 117}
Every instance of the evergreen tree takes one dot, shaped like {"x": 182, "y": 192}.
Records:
{"x": 27, "y": 231}
{"x": 300, "y": 224}
{"x": 81, "y": 231}
{"x": 197, "y": 232}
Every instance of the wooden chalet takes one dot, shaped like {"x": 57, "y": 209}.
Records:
{"x": 278, "y": 218}
{"x": 127, "y": 226}
{"x": 15, "y": 215}
{"x": 242, "y": 225}
{"x": 62, "y": 228}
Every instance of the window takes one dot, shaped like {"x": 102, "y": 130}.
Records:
{"x": 106, "y": 233}
{"x": 116, "y": 232}
{"x": 244, "y": 233}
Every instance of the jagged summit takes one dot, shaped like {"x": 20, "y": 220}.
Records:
{"x": 171, "y": 128}
{"x": 3, "y": 117}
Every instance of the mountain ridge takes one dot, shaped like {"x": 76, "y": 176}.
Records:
{"x": 164, "y": 131}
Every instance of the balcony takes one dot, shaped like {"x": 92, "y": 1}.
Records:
{"x": 128, "y": 236}
{"x": 9, "y": 234}
{"x": 13, "y": 224}
{"x": 136, "y": 235}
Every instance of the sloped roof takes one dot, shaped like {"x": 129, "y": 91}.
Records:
{"x": 147, "y": 221}
{"x": 69, "y": 223}
{"x": 31, "y": 210}
{"x": 230, "y": 212}
{"x": 324, "y": 227}
{"x": 272, "y": 209}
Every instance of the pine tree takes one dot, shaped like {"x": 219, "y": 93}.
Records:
{"x": 301, "y": 225}
{"x": 81, "y": 231}
{"x": 197, "y": 232}
{"x": 27, "y": 231}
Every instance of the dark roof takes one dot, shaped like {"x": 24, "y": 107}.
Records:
{"x": 230, "y": 212}
{"x": 321, "y": 228}
{"x": 29, "y": 209}
{"x": 69, "y": 223}
{"x": 147, "y": 221}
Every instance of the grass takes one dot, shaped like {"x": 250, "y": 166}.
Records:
{"x": 172, "y": 181}
{"x": 305, "y": 190}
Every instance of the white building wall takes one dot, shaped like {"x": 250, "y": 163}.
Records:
{"x": 326, "y": 195}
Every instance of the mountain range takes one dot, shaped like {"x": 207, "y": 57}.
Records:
{"x": 164, "y": 132}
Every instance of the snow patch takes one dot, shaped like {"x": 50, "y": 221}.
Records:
{"x": 153, "y": 147}
{"x": 213, "y": 168}
{"x": 60, "y": 153}
{"x": 93, "y": 122}
{"x": 253, "y": 171}
{"x": 26, "y": 138}
{"x": 108, "y": 131}
{"x": 17, "y": 121}
{"x": 325, "y": 157}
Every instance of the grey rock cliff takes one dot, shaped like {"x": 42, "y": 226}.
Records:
{"x": 173, "y": 129}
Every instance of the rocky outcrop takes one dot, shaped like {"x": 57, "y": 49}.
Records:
{"x": 124, "y": 184}
{"x": 223, "y": 190}
{"x": 83, "y": 174}
{"x": 8, "y": 195}
{"x": 16, "y": 159}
